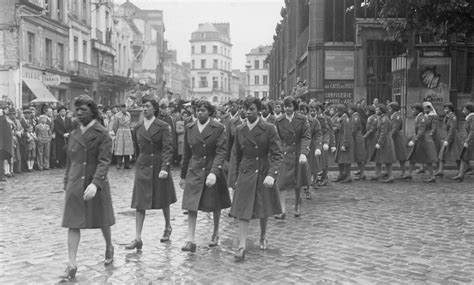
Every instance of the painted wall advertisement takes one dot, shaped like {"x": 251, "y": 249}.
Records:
{"x": 435, "y": 81}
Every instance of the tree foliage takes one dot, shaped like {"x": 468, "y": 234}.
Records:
{"x": 434, "y": 19}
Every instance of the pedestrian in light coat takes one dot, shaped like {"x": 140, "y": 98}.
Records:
{"x": 422, "y": 147}
{"x": 467, "y": 151}
{"x": 88, "y": 203}
{"x": 345, "y": 145}
{"x": 295, "y": 135}
{"x": 202, "y": 173}
{"x": 360, "y": 155}
{"x": 451, "y": 144}
{"x": 384, "y": 149}
{"x": 123, "y": 148}
{"x": 398, "y": 136}
{"x": 258, "y": 155}
{"x": 153, "y": 187}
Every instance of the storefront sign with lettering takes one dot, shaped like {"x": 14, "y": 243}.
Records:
{"x": 338, "y": 91}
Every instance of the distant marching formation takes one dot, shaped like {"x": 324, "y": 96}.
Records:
{"x": 255, "y": 152}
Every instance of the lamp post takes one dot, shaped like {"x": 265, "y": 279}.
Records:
{"x": 247, "y": 68}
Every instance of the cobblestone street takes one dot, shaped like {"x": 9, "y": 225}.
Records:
{"x": 364, "y": 232}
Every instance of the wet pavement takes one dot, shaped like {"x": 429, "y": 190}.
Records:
{"x": 364, "y": 232}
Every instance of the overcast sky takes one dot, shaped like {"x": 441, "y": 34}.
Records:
{"x": 252, "y": 23}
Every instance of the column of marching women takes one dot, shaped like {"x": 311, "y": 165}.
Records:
{"x": 248, "y": 155}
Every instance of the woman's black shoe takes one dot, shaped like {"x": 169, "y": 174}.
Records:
{"x": 69, "y": 273}
{"x": 138, "y": 244}
{"x": 189, "y": 246}
{"x": 281, "y": 216}
{"x": 240, "y": 254}
{"x": 109, "y": 256}
{"x": 166, "y": 235}
{"x": 214, "y": 241}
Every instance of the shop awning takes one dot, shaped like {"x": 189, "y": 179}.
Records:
{"x": 43, "y": 95}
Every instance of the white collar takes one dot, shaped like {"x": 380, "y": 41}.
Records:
{"x": 266, "y": 118}
{"x": 252, "y": 125}
{"x": 469, "y": 115}
{"x": 85, "y": 128}
{"x": 202, "y": 126}
{"x": 236, "y": 114}
{"x": 149, "y": 121}
{"x": 290, "y": 118}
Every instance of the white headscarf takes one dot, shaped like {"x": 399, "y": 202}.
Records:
{"x": 433, "y": 110}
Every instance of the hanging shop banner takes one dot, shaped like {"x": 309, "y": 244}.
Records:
{"x": 339, "y": 65}
{"x": 435, "y": 81}
{"x": 338, "y": 91}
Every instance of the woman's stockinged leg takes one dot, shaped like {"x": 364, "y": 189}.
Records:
{"x": 139, "y": 220}
{"x": 73, "y": 238}
{"x": 217, "y": 218}
{"x": 107, "y": 236}
{"x": 166, "y": 215}
{"x": 192, "y": 217}
{"x": 243, "y": 232}
{"x": 263, "y": 227}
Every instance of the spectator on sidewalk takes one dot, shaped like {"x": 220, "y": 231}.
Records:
{"x": 62, "y": 127}
{"x": 6, "y": 140}
{"x": 44, "y": 135}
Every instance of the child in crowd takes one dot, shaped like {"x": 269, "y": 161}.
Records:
{"x": 44, "y": 135}
{"x": 30, "y": 148}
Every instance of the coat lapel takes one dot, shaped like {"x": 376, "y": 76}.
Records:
{"x": 208, "y": 130}
{"x": 143, "y": 133}
{"x": 194, "y": 132}
{"x": 77, "y": 136}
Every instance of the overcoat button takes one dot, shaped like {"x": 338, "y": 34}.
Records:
{"x": 256, "y": 158}
{"x": 83, "y": 177}
{"x": 203, "y": 168}
{"x": 256, "y": 171}
{"x": 84, "y": 163}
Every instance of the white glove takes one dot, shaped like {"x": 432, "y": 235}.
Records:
{"x": 333, "y": 149}
{"x": 90, "y": 192}
{"x": 343, "y": 148}
{"x": 1, "y": 112}
{"x": 182, "y": 183}
{"x": 411, "y": 143}
{"x": 66, "y": 135}
{"x": 465, "y": 145}
{"x": 231, "y": 190}
{"x": 317, "y": 152}
{"x": 377, "y": 146}
{"x": 303, "y": 159}
{"x": 268, "y": 181}
{"x": 211, "y": 179}
{"x": 163, "y": 174}
{"x": 325, "y": 146}
{"x": 445, "y": 143}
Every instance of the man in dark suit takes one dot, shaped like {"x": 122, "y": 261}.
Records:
{"x": 62, "y": 127}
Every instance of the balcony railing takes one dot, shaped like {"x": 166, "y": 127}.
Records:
{"x": 84, "y": 69}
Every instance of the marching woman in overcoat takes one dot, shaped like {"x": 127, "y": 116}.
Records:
{"x": 370, "y": 136}
{"x": 451, "y": 145}
{"x": 467, "y": 151}
{"x": 399, "y": 140}
{"x": 327, "y": 141}
{"x": 422, "y": 146}
{"x": 316, "y": 146}
{"x": 88, "y": 203}
{"x": 344, "y": 146}
{"x": 384, "y": 149}
{"x": 202, "y": 173}
{"x": 258, "y": 156}
{"x": 153, "y": 187}
{"x": 295, "y": 134}
{"x": 360, "y": 155}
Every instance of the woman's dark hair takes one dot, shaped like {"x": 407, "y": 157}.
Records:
{"x": 340, "y": 108}
{"x": 89, "y": 102}
{"x": 290, "y": 100}
{"x": 418, "y": 107}
{"x": 302, "y": 106}
{"x": 394, "y": 105}
{"x": 268, "y": 106}
{"x": 122, "y": 106}
{"x": 353, "y": 107}
{"x": 450, "y": 106}
{"x": 469, "y": 106}
{"x": 184, "y": 111}
{"x": 370, "y": 110}
{"x": 253, "y": 100}
{"x": 61, "y": 108}
{"x": 206, "y": 104}
{"x": 153, "y": 102}
{"x": 382, "y": 108}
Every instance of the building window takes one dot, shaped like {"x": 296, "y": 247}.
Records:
{"x": 256, "y": 80}
{"x": 203, "y": 82}
{"x": 192, "y": 49}
{"x": 265, "y": 94}
{"x": 74, "y": 8}
{"x": 31, "y": 47}
{"x": 60, "y": 56}
{"x": 256, "y": 64}
{"x": 215, "y": 99}
{"x": 265, "y": 79}
{"x": 84, "y": 51}
{"x": 203, "y": 49}
{"x": 203, "y": 64}
{"x": 193, "y": 82}
{"x": 192, "y": 64}
{"x": 84, "y": 10}
{"x": 214, "y": 49}
{"x": 59, "y": 7}
{"x": 48, "y": 52}
{"x": 214, "y": 64}
{"x": 255, "y": 94}
{"x": 215, "y": 83}
{"x": 76, "y": 48}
